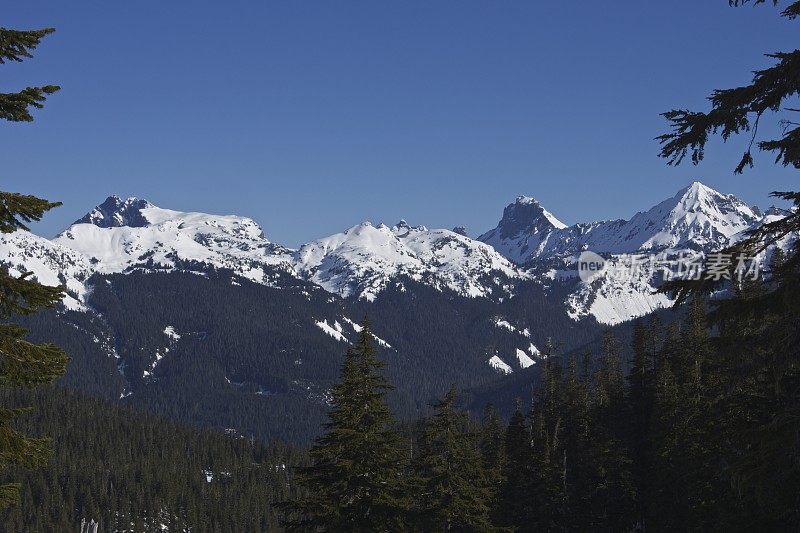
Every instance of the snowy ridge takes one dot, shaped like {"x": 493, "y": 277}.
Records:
{"x": 51, "y": 264}
{"x": 524, "y": 229}
{"x": 697, "y": 219}
{"x": 529, "y": 242}
{"x": 362, "y": 260}
{"x": 121, "y": 236}
{"x": 165, "y": 239}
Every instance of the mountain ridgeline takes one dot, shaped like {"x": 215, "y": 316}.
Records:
{"x": 201, "y": 318}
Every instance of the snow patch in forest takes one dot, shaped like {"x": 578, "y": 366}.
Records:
{"x": 333, "y": 331}
{"x": 499, "y": 365}
{"x": 170, "y": 332}
{"x": 524, "y": 360}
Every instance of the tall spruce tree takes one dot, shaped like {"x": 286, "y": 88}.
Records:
{"x": 455, "y": 488}
{"x": 641, "y": 395}
{"x": 513, "y": 509}
{"x": 767, "y": 459}
{"x": 578, "y": 460}
{"x": 22, "y": 363}
{"x": 492, "y": 450}
{"x": 548, "y": 493}
{"x": 614, "y": 495}
{"x": 358, "y": 473}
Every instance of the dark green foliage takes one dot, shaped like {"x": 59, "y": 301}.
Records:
{"x": 492, "y": 448}
{"x": 456, "y": 491}
{"x": 240, "y": 339}
{"x": 513, "y": 508}
{"x": 357, "y": 477}
{"x": 760, "y": 390}
{"x": 22, "y": 363}
{"x": 744, "y": 417}
{"x": 18, "y": 209}
{"x": 739, "y": 110}
{"x": 118, "y": 466}
{"x": 17, "y": 45}
{"x": 548, "y": 496}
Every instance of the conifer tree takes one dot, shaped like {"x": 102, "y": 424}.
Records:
{"x": 641, "y": 392}
{"x": 492, "y": 449}
{"x": 760, "y": 403}
{"x": 22, "y": 362}
{"x": 738, "y": 111}
{"x": 514, "y": 507}
{"x": 357, "y": 477}
{"x": 578, "y": 461}
{"x": 613, "y": 506}
{"x": 686, "y": 465}
{"x": 775, "y": 408}
{"x": 17, "y": 46}
{"x": 456, "y": 492}
{"x": 548, "y": 493}
{"x": 665, "y": 495}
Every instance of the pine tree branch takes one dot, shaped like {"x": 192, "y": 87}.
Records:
{"x": 730, "y": 114}
{"x": 791, "y": 11}
{"x": 14, "y": 106}
{"x": 18, "y": 209}
{"x": 23, "y": 295}
{"x": 16, "y": 45}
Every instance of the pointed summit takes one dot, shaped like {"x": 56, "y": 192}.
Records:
{"x": 696, "y": 217}
{"x": 526, "y": 215}
{"x": 524, "y": 227}
{"x": 115, "y": 212}
{"x": 698, "y": 197}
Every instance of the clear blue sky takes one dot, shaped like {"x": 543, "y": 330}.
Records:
{"x": 313, "y": 116}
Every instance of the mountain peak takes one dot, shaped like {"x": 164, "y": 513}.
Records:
{"x": 698, "y": 195}
{"x": 698, "y": 187}
{"x": 697, "y": 217}
{"x": 526, "y": 200}
{"x": 526, "y": 215}
{"x": 115, "y": 212}
{"x": 525, "y": 225}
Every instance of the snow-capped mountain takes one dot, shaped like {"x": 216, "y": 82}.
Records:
{"x": 363, "y": 259}
{"x": 697, "y": 220}
{"x": 529, "y": 242}
{"x": 119, "y": 235}
{"x": 51, "y": 263}
{"x": 445, "y": 308}
{"x": 132, "y": 234}
{"x": 523, "y": 231}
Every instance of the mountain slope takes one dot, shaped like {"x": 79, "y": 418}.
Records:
{"x": 119, "y": 235}
{"x": 697, "y": 218}
{"x": 51, "y": 263}
{"x": 523, "y": 230}
{"x": 362, "y": 260}
{"x": 695, "y": 221}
